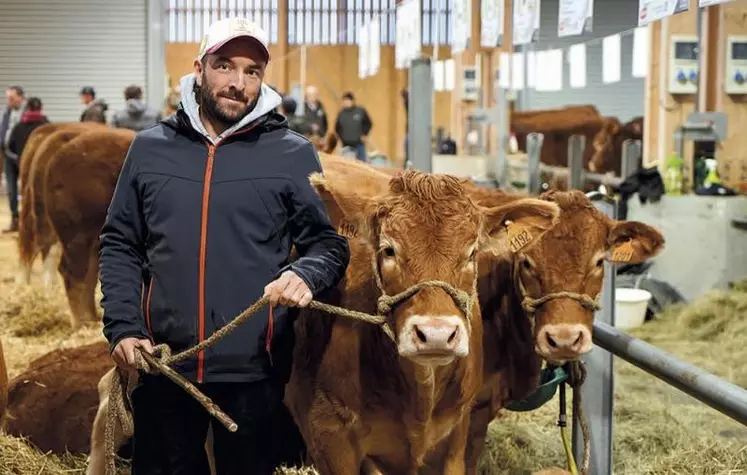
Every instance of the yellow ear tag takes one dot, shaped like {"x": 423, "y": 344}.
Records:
{"x": 347, "y": 229}
{"x": 624, "y": 252}
{"x": 518, "y": 236}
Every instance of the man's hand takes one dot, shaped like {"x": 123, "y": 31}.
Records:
{"x": 124, "y": 353}
{"x": 289, "y": 290}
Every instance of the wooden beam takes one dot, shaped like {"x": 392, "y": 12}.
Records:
{"x": 731, "y": 156}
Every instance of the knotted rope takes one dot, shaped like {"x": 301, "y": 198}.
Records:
{"x": 531, "y": 305}
{"x": 120, "y": 408}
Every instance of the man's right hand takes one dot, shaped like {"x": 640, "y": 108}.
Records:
{"x": 124, "y": 353}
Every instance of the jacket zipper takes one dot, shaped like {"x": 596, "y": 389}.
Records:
{"x": 203, "y": 249}
{"x": 147, "y": 307}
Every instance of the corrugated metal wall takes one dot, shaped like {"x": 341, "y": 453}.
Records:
{"x": 52, "y": 48}
{"x": 623, "y": 99}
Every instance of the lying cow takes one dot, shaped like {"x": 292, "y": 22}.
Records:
{"x": 416, "y": 391}
{"x": 3, "y": 384}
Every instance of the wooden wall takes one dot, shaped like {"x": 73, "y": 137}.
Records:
{"x": 665, "y": 112}
{"x": 334, "y": 70}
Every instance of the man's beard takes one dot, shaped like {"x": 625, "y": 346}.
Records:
{"x": 214, "y": 111}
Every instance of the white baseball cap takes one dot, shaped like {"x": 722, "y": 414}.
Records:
{"x": 223, "y": 31}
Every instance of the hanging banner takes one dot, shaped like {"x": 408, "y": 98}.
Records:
{"x": 526, "y": 15}
{"x": 363, "y": 51}
{"x": 492, "y": 21}
{"x": 575, "y": 17}
{"x": 462, "y": 10}
{"x": 407, "y": 43}
{"x": 374, "y": 46}
{"x": 654, "y": 10}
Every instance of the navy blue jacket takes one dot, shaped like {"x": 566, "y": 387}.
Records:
{"x": 195, "y": 232}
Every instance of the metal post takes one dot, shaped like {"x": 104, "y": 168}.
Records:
{"x": 597, "y": 392}
{"x": 155, "y": 89}
{"x": 725, "y": 397}
{"x": 576, "y": 145}
{"x": 631, "y": 158}
{"x": 420, "y": 115}
{"x": 534, "y": 153}
{"x": 503, "y": 131}
{"x": 302, "y": 103}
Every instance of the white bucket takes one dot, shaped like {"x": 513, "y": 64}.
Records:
{"x": 630, "y": 307}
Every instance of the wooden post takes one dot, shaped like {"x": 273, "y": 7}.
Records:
{"x": 732, "y": 160}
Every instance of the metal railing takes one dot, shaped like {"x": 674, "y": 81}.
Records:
{"x": 598, "y": 389}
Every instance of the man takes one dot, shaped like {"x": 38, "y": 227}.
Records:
{"x": 208, "y": 205}
{"x": 314, "y": 111}
{"x": 95, "y": 110}
{"x": 296, "y": 123}
{"x": 136, "y": 115}
{"x": 16, "y": 104}
{"x": 353, "y": 126}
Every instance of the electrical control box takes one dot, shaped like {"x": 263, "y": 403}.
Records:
{"x": 683, "y": 65}
{"x": 735, "y": 64}
{"x": 470, "y": 84}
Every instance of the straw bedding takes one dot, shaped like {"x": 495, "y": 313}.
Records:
{"x": 657, "y": 429}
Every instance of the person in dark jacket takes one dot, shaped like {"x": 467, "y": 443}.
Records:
{"x": 296, "y": 123}
{"x": 31, "y": 118}
{"x": 95, "y": 110}
{"x": 206, "y": 209}
{"x": 136, "y": 115}
{"x": 313, "y": 111}
{"x": 353, "y": 126}
{"x": 11, "y": 116}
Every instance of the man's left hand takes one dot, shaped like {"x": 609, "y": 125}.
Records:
{"x": 289, "y": 290}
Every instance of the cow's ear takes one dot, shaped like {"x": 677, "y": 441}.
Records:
{"x": 350, "y": 213}
{"x": 632, "y": 242}
{"x": 520, "y": 224}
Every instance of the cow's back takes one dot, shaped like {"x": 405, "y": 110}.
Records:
{"x": 54, "y": 401}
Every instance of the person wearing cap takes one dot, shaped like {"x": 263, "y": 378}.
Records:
{"x": 208, "y": 204}
{"x": 95, "y": 110}
{"x": 353, "y": 126}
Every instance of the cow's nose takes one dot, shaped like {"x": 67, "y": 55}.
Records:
{"x": 435, "y": 335}
{"x": 568, "y": 341}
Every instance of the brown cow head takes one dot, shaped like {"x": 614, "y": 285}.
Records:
{"x": 426, "y": 227}
{"x": 570, "y": 258}
{"x": 604, "y": 145}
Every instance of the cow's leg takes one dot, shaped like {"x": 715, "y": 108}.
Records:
{"x": 454, "y": 462}
{"x": 480, "y": 419}
{"x": 50, "y": 259}
{"x": 79, "y": 268}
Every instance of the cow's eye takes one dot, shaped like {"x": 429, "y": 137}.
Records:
{"x": 600, "y": 262}
{"x": 526, "y": 264}
{"x": 387, "y": 251}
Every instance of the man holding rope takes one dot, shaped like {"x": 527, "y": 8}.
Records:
{"x": 207, "y": 206}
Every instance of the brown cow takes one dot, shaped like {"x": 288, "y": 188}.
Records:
{"x": 3, "y": 384}
{"x": 79, "y": 184}
{"x": 64, "y": 383}
{"x": 34, "y": 233}
{"x": 604, "y": 136}
{"x": 411, "y": 393}
{"x": 566, "y": 266}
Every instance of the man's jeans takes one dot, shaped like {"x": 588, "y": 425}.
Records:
{"x": 11, "y": 179}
